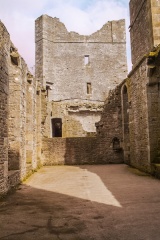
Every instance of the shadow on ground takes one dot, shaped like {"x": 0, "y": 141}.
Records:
{"x": 33, "y": 213}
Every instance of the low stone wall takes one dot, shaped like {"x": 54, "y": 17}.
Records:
{"x": 53, "y": 151}
{"x": 80, "y": 151}
{"x": 72, "y": 151}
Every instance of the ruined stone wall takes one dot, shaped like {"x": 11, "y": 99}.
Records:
{"x": 143, "y": 86}
{"x": 72, "y": 82}
{"x": 141, "y": 31}
{"x": 144, "y": 27}
{"x": 17, "y": 115}
{"x": 44, "y": 113}
{"x": 31, "y": 122}
{"x": 4, "y": 89}
{"x": 144, "y": 116}
{"x": 155, "y": 7}
{"x": 138, "y": 118}
{"x": 38, "y": 124}
{"x": 22, "y": 117}
{"x": 60, "y": 59}
{"x": 83, "y": 150}
{"x": 18, "y": 124}
{"x": 109, "y": 129}
{"x": 69, "y": 151}
{"x": 103, "y": 148}
{"x": 78, "y": 117}
{"x": 153, "y": 98}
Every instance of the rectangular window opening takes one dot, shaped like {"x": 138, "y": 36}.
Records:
{"x": 86, "y": 59}
{"x": 89, "y": 88}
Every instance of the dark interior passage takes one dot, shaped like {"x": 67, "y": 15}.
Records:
{"x": 56, "y": 127}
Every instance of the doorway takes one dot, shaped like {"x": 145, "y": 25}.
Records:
{"x": 56, "y": 127}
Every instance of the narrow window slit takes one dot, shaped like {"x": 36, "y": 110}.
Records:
{"x": 89, "y": 88}
{"x": 86, "y": 59}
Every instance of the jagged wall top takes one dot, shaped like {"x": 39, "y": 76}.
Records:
{"x": 53, "y": 30}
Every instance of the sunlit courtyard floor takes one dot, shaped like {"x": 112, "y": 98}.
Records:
{"x": 105, "y": 202}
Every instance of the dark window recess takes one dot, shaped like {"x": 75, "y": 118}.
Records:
{"x": 116, "y": 144}
{"x": 56, "y": 127}
{"x": 89, "y": 88}
{"x": 38, "y": 92}
{"x": 14, "y": 56}
{"x": 47, "y": 89}
{"x": 124, "y": 89}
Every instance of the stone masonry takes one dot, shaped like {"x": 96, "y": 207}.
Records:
{"x": 139, "y": 104}
{"x": 4, "y": 92}
{"x": 78, "y": 71}
{"x": 143, "y": 86}
{"x": 22, "y": 116}
{"x": 80, "y": 108}
{"x": 18, "y": 111}
{"x": 144, "y": 27}
{"x": 105, "y": 147}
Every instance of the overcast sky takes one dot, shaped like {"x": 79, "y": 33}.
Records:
{"x": 82, "y": 16}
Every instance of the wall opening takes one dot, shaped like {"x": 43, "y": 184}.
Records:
{"x": 14, "y": 56}
{"x": 47, "y": 90}
{"x": 116, "y": 144}
{"x": 86, "y": 59}
{"x": 89, "y": 88}
{"x": 56, "y": 127}
{"x": 126, "y": 134}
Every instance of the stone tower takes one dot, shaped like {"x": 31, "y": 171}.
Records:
{"x": 78, "y": 71}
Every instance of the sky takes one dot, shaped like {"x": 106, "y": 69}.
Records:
{"x": 82, "y": 16}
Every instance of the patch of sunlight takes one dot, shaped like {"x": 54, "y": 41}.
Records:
{"x": 75, "y": 182}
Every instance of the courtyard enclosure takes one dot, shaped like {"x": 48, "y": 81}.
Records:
{"x": 81, "y": 107}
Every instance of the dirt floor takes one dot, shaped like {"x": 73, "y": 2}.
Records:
{"x": 106, "y": 202}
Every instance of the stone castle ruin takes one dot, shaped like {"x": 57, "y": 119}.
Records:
{"x": 80, "y": 108}
{"x": 77, "y": 72}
